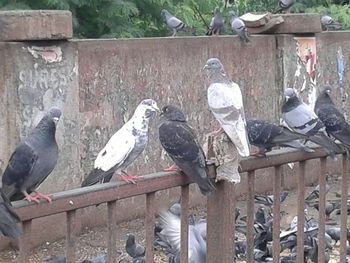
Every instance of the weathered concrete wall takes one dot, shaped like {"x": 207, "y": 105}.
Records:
{"x": 98, "y": 84}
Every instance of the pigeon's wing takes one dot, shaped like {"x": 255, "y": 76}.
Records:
{"x": 20, "y": 166}
{"x": 171, "y": 229}
{"x": 175, "y": 23}
{"x": 116, "y": 150}
{"x": 226, "y": 103}
{"x": 8, "y": 219}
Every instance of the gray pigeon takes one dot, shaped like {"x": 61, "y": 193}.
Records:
{"x": 62, "y": 260}
{"x": 172, "y": 231}
{"x": 33, "y": 160}
{"x": 226, "y": 103}
{"x": 239, "y": 27}
{"x": 266, "y": 135}
{"x": 332, "y": 118}
{"x": 315, "y": 193}
{"x": 330, "y": 207}
{"x": 217, "y": 23}
{"x": 302, "y": 119}
{"x": 134, "y": 249}
{"x": 328, "y": 23}
{"x": 173, "y": 22}
{"x": 123, "y": 147}
{"x": 284, "y": 5}
{"x": 180, "y": 142}
{"x": 8, "y": 219}
{"x": 267, "y": 200}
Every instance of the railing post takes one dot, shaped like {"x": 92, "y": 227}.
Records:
{"x": 301, "y": 213}
{"x": 25, "y": 242}
{"x": 322, "y": 209}
{"x": 184, "y": 223}
{"x": 250, "y": 216}
{"x": 70, "y": 238}
{"x": 276, "y": 213}
{"x": 111, "y": 232}
{"x": 150, "y": 210}
{"x": 343, "y": 209}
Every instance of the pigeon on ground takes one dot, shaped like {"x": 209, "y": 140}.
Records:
{"x": 134, "y": 249}
{"x": 315, "y": 194}
{"x": 330, "y": 207}
{"x": 328, "y": 23}
{"x": 172, "y": 231}
{"x": 180, "y": 142}
{"x": 62, "y": 260}
{"x": 302, "y": 119}
{"x": 217, "y": 23}
{"x": 226, "y": 103}
{"x": 123, "y": 147}
{"x": 32, "y": 161}
{"x": 267, "y": 200}
{"x": 332, "y": 118}
{"x": 239, "y": 27}
{"x": 266, "y": 135}
{"x": 284, "y": 5}
{"x": 173, "y": 22}
{"x": 8, "y": 219}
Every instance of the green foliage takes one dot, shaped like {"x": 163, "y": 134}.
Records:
{"x": 141, "y": 18}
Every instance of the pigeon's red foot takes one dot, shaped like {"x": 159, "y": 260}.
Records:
{"x": 258, "y": 154}
{"x": 217, "y": 132}
{"x": 172, "y": 168}
{"x": 42, "y": 196}
{"x": 30, "y": 198}
{"x": 129, "y": 178}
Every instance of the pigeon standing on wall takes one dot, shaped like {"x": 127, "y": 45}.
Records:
{"x": 332, "y": 118}
{"x": 173, "y": 22}
{"x": 328, "y": 23}
{"x": 33, "y": 160}
{"x": 8, "y": 219}
{"x": 180, "y": 142}
{"x": 226, "y": 103}
{"x": 266, "y": 135}
{"x": 302, "y": 119}
{"x": 284, "y": 5}
{"x": 239, "y": 27}
{"x": 123, "y": 147}
{"x": 216, "y": 24}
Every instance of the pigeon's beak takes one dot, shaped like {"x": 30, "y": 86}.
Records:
{"x": 287, "y": 98}
{"x": 205, "y": 67}
{"x": 56, "y": 119}
{"x": 155, "y": 107}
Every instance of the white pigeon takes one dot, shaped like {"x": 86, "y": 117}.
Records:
{"x": 226, "y": 103}
{"x": 124, "y": 146}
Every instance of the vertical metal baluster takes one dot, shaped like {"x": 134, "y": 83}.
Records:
{"x": 70, "y": 237}
{"x": 150, "y": 210}
{"x": 184, "y": 223}
{"x": 301, "y": 215}
{"x": 276, "y": 213}
{"x": 111, "y": 232}
{"x": 322, "y": 209}
{"x": 25, "y": 242}
{"x": 250, "y": 217}
{"x": 343, "y": 209}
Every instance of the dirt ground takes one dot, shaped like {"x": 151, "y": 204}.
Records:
{"x": 93, "y": 241}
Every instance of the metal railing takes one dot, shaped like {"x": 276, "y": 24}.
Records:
{"x": 220, "y": 209}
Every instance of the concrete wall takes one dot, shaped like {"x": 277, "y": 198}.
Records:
{"x": 98, "y": 84}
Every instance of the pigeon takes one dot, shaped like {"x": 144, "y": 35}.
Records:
{"x": 180, "y": 142}
{"x": 216, "y": 24}
{"x": 330, "y": 207}
{"x": 172, "y": 231}
{"x": 134, "y": 249}
{"x": 123, "y": 147}
{"x": 302, "y": 119}
{"x": 239, "y": 27}
{"x": 8, "y": 219}
{"x": 173, "y": 22}
{"x": 284, "y": 5}
{"x": 328, "y": 23}
{"x": 266, "y": 135}
{"x": 332, "y": 118}
{"x": 226, "y": 103}
{"x": 62, "y": 260}
{"x": 315, "y": 194}
{"x": 32, "y": 161}
{"x": 268, "y": 200}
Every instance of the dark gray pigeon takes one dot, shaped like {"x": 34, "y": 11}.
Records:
{"x": 330, "y": 207}
{"x": 328, "y": 23}
{"x": 33, "y": 160}
{"x": 239, "y": 27}
{"x": 173, "y": 22}
{"x": 61, "y": 260}
{"x": 284, "y": 5}
{"x": 266, "y": 135}
{"x": 172, "y": 231}
{"x": 8, "y": 219}
{"x": 332, "y": 118}
{"x": 217, "y": 23}
{"x": 315, "y": 194}
{"x": 302, "y": 119}
{"x": 180, "y": 142}
{"x": 134, "y": 249}
{"x": 123, "y": 147}
{"x": 267, "y": 200}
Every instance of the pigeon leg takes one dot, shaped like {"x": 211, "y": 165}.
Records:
{"x": 129, "y": 178}
{"x": 217, "y": 132}
{"x": 174, "y": 33}
{"x": 42, "y": 196}
{"x": 172, "y": 168}
{"x": 30, "y": 198}
{"x": 258, "y": 153}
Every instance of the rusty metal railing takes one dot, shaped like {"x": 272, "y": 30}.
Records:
{"x": 220, "y": 208}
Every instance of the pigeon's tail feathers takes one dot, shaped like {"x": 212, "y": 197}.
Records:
{"x": 238, "y": 135}
{"x": 277, "y": 10}
{"x": 97, "y": 176}
{"x": 298, "y": 145}
{"x": 9, "y": 191}
{"x": 209, "y": 186}
{"x": 9, "y": 219}
{"x": 330, "y": 147}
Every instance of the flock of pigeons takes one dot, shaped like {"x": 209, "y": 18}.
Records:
{"x": 237, "y": 25}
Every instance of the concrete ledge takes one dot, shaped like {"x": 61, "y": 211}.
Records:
{"x": 298, "y": 23}
{"x": 35, "y": 25}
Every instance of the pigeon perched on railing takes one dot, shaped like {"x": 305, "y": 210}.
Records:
{"x": 239, "y": 27}
{"x": 123, "y": 147}
{"x": 328, "y": 23}
{"x": 226, "y": 103}
{"x": 33, "y": 160}
{"x": 266, "y": 135}
{"x": 180, "y": 142}
{"x": 216, "y": 24}
{"x": 284, "y": 5}
{"x": 8, "y": 219}
{"x": 302, "y": 119}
